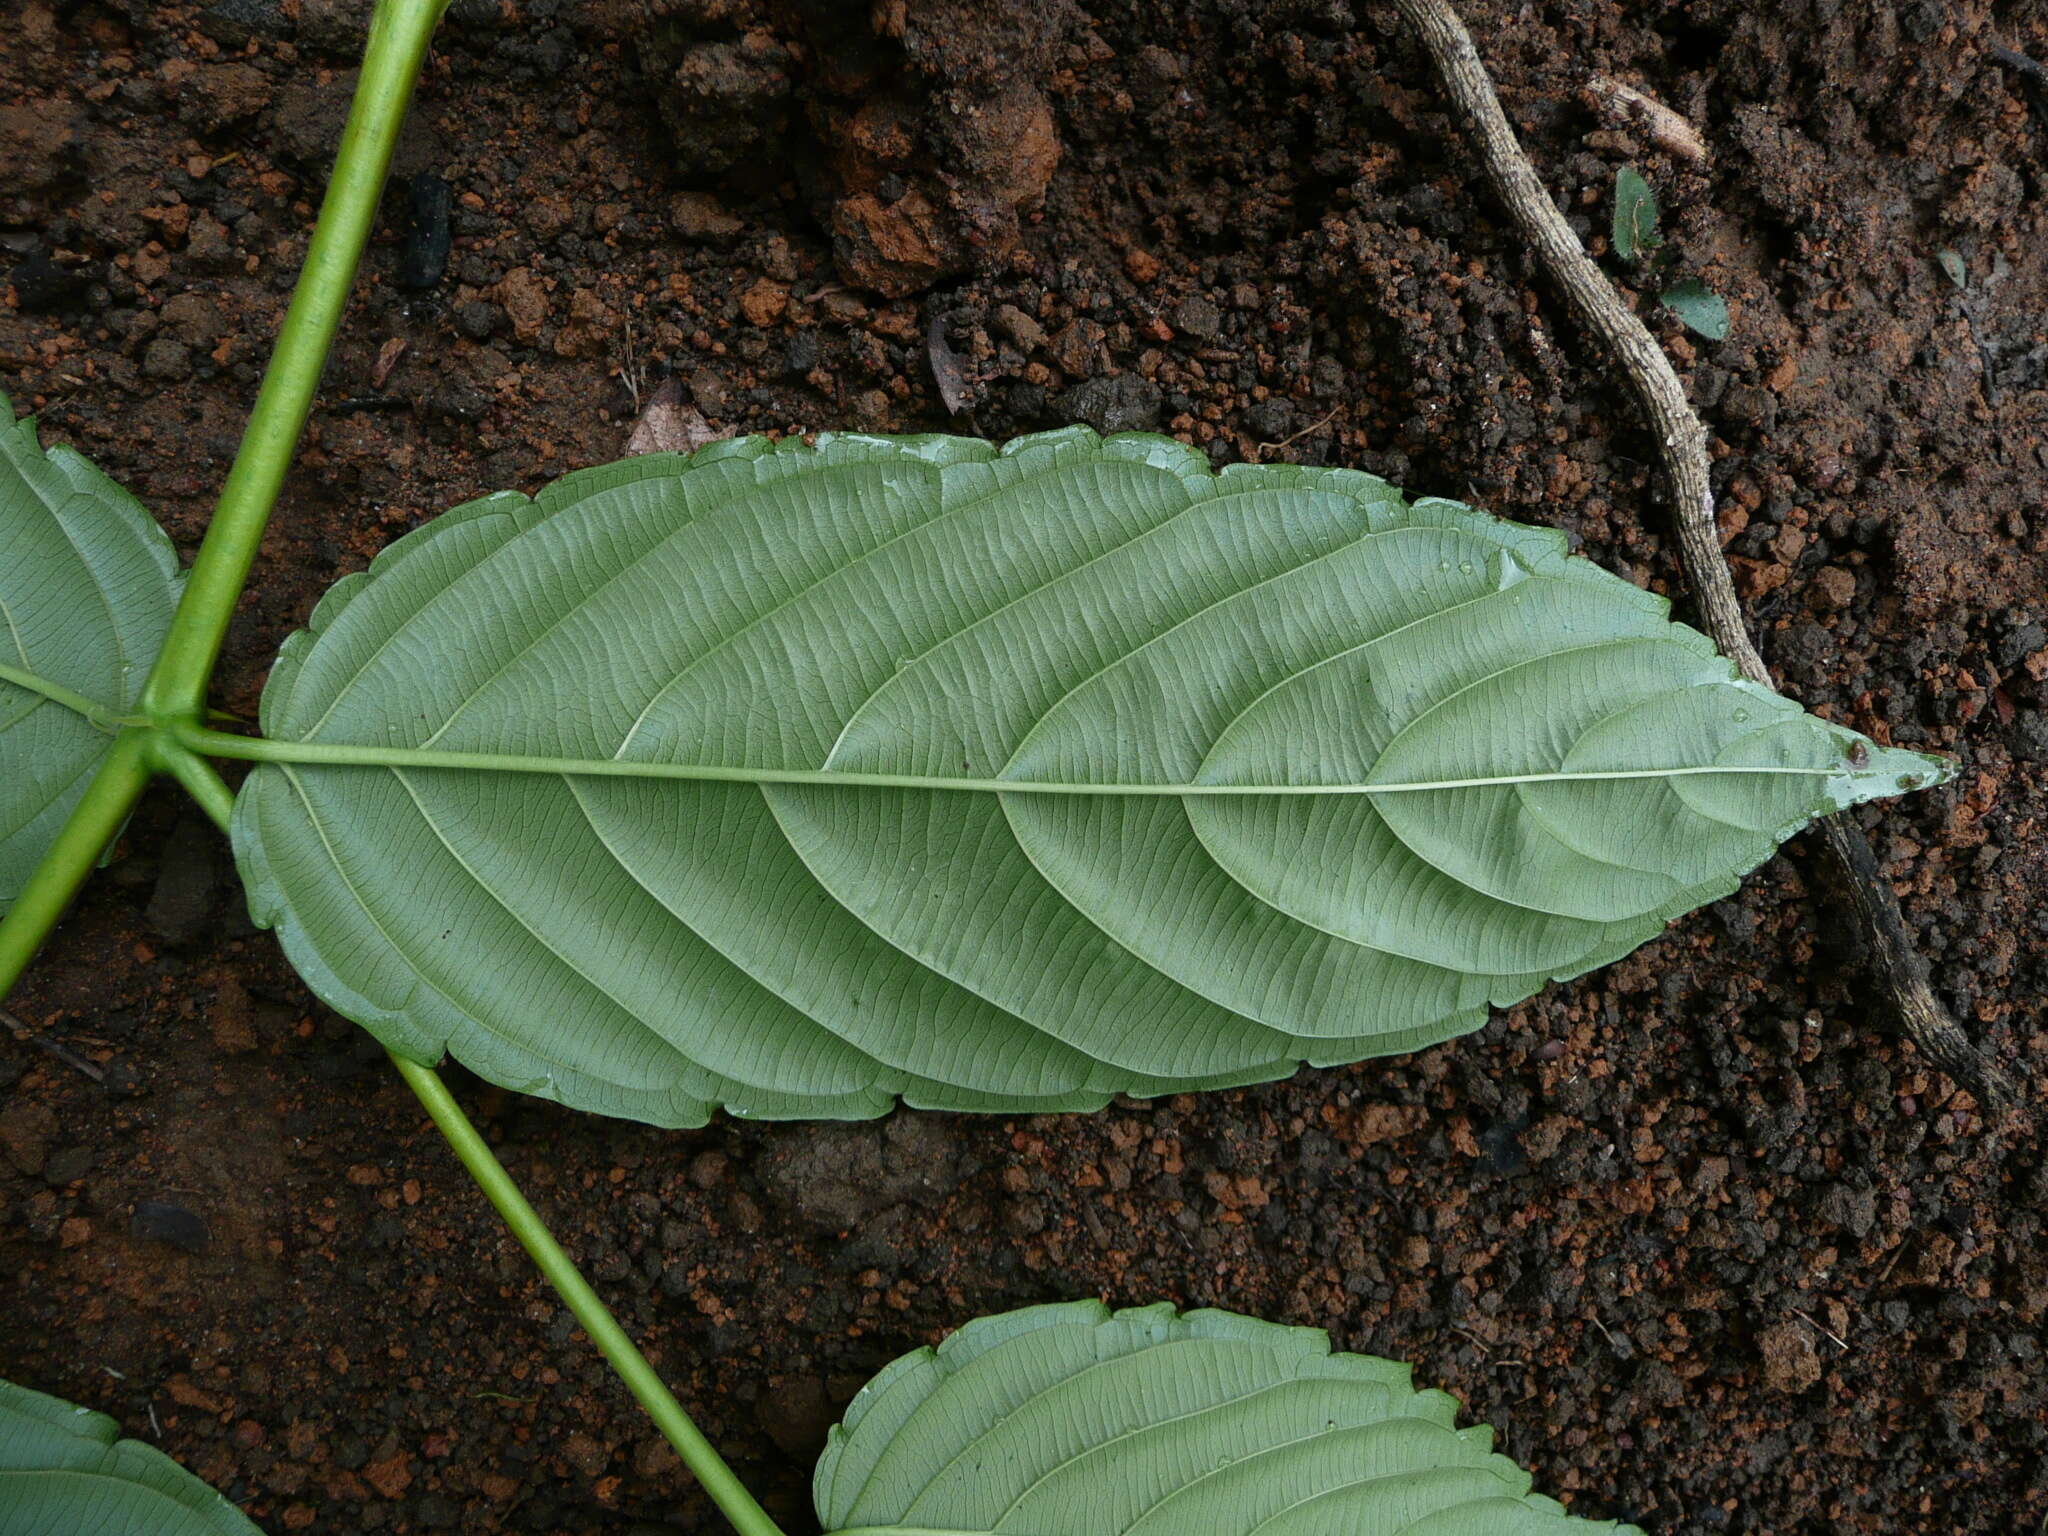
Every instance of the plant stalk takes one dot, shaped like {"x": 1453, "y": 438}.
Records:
{"x": 201, "y": 781}
{"x": 93, "y": 824}
{"x": 175, "y": 693}
{"x": 699, "y": 1455}
{"x": 176, "y": 689}
{"x": 560, "y": 1270}
{"x": 397, "y": 48}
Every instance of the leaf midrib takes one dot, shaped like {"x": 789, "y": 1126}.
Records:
{"x": 14, "y": 632}
{"x": 94, "y": 711}
{"x": 264, "y": 749}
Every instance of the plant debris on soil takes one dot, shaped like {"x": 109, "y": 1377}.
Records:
{"x": 1712, "y": 1250}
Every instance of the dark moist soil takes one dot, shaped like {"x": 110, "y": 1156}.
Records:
{"x": 1712, "y": 1249}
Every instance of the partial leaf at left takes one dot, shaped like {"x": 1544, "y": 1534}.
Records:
{"x": 87, "y": 585}
{"x": 65, "y": 1471}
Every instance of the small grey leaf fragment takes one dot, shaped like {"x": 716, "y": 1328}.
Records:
{"x": 387, "y": 359}
{"x": 947, "y": 370}
{"x": 1700, "y": 308}
{"x": 669, "y": 426}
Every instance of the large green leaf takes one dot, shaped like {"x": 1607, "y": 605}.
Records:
{"x": 996, "y": 780}
{"x": 65, "y": 1471}
{"x": 87, "y": 585}
{"x": 1070, "y": 1420}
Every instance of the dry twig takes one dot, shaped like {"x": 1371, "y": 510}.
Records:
{"x": 2012, "y": 58}
{"x": 1260, "y": 450}
{"x": 58, "y": 1049}
{"x": 1682, "y": 452}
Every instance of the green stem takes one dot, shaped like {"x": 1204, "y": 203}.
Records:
{"x": 176, "y": 689}
{"x": 726, "y": 1490}
{"x": 92, "y": 825}
{"x": 702, "y": 1458}
{"x": 263, "y": 749}
{"x": 399, "y": 31}
{"x": 200, "y": 781}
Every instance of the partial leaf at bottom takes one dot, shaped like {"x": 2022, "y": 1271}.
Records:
{"x": 1071, "y": 1420}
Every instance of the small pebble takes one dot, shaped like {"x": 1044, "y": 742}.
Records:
{"x": 160, "y": 1221}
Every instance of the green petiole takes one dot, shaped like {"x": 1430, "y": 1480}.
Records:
{"x": 556, "y": 1267}
{"x": 176, "y": 689}
{"x": 93, "y": 824}
{"x": 699, "y": 1455}
{"x": 399, "y": 32}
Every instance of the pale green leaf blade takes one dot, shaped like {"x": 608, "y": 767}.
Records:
{"x": 988, "y": 779}
{"x": 65, "y": 1469}
{"x": 1703, "y": 311}
{"x": 87, "y": 586}
{"x": 1635, "y": 215}
{"x": 1072, "y": 1420}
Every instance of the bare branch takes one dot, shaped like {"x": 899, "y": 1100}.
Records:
{"x": 1682, "y": 452}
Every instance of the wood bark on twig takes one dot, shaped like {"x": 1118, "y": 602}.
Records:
{"x": 1681, "y": 439}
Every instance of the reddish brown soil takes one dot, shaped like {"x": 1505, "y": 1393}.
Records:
{"x": 1713, "y": 1250}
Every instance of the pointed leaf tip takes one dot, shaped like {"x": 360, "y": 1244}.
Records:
{"x": 1874, "y": 772}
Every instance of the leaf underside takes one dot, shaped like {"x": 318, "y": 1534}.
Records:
{"x": 1635, "y": 215}
{"x": 1070, "y": 1420}
{"x": 1699, "y": 307}
{"x": 87, "y": 585}
{"x": 1067, "y": 611}
{"x": 64, "y": 1469}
